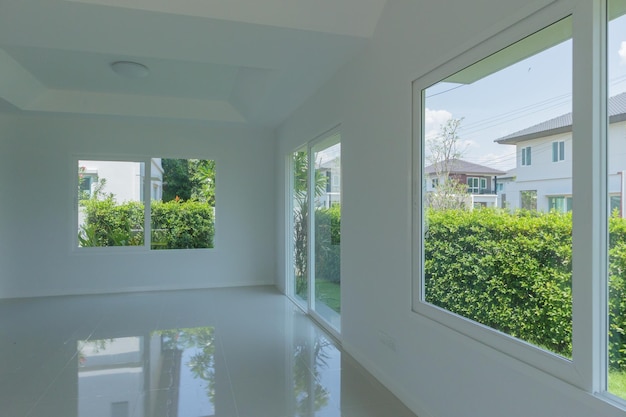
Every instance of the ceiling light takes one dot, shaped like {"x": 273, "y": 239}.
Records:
{"x": 130, "y": 69}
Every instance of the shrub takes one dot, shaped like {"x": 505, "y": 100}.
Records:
{"x": 111, "y": 224}
{"x": 182, "y": 225}
{"x": 511, "y": 272}
{"x": 617, "y": 293}
{"x": 327, "y": 244}
{"x": 175, "y": 224}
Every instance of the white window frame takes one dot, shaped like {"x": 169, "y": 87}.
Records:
{"x": 558, "y": 151}
{"x": 474, "y": 187}
{"x": 526, "y": 156}
{"x": 146, "y": 194}
{"x": 587, "y": 369}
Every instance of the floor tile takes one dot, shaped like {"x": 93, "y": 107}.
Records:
{"x": 232, "y": 352}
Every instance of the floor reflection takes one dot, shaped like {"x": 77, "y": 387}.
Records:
{"x": 173, "y": 375}
{"x": 221, "y": 353}
{"x": 110, "y": 374}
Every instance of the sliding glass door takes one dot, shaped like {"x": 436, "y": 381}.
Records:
{"x": 325, "y": 224}
{"x": 299, "y": 202}
{"x": 315, "y": 228}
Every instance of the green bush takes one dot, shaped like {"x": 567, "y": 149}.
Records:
{"x": 111, "y": 224}
{"x": 327, "y": 244}
{"x": 175, "y": 224}
{"x": 617, "y": 293}
{"x": 511, "y": 272}
{"x": 182, "y": 225}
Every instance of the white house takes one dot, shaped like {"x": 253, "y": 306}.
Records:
{"x": 123, "y": 179}
{"x": 543, "y": 173}
{"x": 482, "y": 181}
{"x": 331, "y": 169}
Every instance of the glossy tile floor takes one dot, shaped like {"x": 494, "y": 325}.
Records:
{"x": 240, "y": 352}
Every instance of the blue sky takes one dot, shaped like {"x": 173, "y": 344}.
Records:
{"x": 526, "y": 93}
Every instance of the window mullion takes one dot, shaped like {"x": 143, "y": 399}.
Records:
{"x": 589, "y": 180}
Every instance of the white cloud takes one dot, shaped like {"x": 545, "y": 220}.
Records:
{"x": 433, "y": 119}
{"x": 622, "y": 53}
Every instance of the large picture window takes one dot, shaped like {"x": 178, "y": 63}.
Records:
{"x": 116, "y": 199}
{"x": 508, "y": 270}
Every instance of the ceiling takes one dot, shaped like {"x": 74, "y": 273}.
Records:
{"x": 237, "y": 61}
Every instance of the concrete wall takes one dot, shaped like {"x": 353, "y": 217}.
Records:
{"x": 37, "y": 207}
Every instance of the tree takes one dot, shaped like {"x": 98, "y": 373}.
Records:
{"x": 189, "y": 179}
{"x": 444, "y": 150}
{"x": 300, "y": 166}
{"x": 176, "y": 181}
{"x": 202, "y": 173}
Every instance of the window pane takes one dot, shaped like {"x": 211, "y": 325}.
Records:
{"x": 501, "y": 120}
{"x": 110, "y": 203}
{"x": 182, "y": 209}
{"x": 299, "y": 207}
{"x": 616, "y": 55}
{"x": 327, "y": 226}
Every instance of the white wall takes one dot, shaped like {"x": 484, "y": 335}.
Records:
{"x": 433, "y": 369}
{"x": 37, "y": 217}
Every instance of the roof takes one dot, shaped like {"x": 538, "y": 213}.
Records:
{"x": 563, "y": 123}
{"x": 459, "y": 166}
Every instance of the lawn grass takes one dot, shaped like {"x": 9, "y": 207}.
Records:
{"x": 617, "y": 383}
{"x": 328, "y": 293}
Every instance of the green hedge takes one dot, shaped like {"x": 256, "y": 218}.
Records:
{"x": 110, "y": 224}
{"x": 512, "y": 272}
{"x": 175, "y": 224}
{"x": 508, "y": 272}
{"x": 182, "y": 225}
{"x": 327, "y": 244}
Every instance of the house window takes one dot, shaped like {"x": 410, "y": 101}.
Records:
{"x": 434, "y": 182}
{"x": 114, "y": 211}
{"x": 615, "y": 205}
{"x": 561, "y": 204}
{"x": 528, "y": 199}
{"x": 526, "y": 156}
{"x": 473, "y": 185}
{"x": 476, "y": 185}
{"x": 336, "y": 182}
{"x": 487, "y": 273}
{"x": 558, "y": 151}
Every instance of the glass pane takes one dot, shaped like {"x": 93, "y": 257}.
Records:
{"x": 300, "y": 209}
{"x": 327, "y": 221}
{"x": 182, "y": 209}
{"x": 506, "y": 266}
{"x": 110, "y": 203}
{"x": 616, "y": 55}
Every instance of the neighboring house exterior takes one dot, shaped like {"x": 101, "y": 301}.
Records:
{"x": 543, "y": 173}
{"x": 123, "y": 179}
{"x": 331, "y": 169}
{"x": 481, "y": 180}
{"x": 504, "y": 184}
